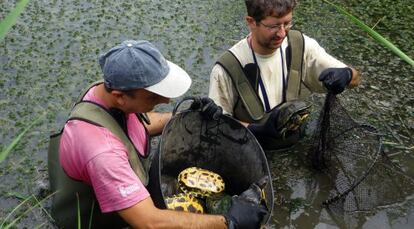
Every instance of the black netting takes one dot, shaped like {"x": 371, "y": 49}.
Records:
{"x": 350, "y": 153}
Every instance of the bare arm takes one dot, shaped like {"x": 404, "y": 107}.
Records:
{"x": 145, "y": 215}
{"x": 356, "y": 80}
{"x": 158, "y": 121}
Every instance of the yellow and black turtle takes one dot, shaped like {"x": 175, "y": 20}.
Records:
{"x": 292, "y": 115}
{"x": 196, "y": 185}
{"x": 185, "y": 202}
{"x": 200, "y": 183}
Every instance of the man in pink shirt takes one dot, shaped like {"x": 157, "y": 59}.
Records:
{"x": 101, "y": 155}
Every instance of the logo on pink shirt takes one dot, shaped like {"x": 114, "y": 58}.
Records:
{"x": 126, "y": 190}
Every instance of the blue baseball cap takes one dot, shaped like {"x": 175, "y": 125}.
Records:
{"x": 139, "y": 65}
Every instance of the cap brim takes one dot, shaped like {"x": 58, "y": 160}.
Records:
{"x": 175, "y": 84}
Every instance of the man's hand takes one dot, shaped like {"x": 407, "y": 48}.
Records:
{"x": 246, "y": 210}
{"x": 336, "y": 79}
{"x": 209, "y": 110}
{"x": 282, "y": 122}
{"x": 267, "y": 128}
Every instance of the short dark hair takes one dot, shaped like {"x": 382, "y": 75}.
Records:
{"x": 259, "y": 9}
{"x": 129, "y": 93}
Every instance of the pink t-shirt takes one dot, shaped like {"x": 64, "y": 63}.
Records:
{"x": 97, "y": 157}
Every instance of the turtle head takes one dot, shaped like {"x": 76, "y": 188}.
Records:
{"x": 255, "y": 192}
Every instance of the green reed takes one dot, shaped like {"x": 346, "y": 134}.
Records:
{"x": 6, "y": 151}
{"x": 79, "y": 213}
{"x": 379, "y": 38}
{"x": 5, "y": 225}
{"x": 5, "y": 25}
{"x": 11, "y": 18}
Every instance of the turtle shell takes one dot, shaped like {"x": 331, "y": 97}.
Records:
{"x": 292, "y": 114}
{"x": 200, "y": 182}
{"x": 184, "y": 202}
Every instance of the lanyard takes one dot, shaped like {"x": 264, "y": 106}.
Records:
{"x": 261, "y": 84}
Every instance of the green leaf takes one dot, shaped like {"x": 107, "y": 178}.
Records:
{"x": 11, "y": 18}
{"x": 374, "y": 34}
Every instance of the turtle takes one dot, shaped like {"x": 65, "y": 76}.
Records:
{"x": 184, "y": 202}
{"x": 196, "y": 185}
{"x": 256, "y": 192}
{"x": 292, "y": 116}
{"x": 200, "y": 183}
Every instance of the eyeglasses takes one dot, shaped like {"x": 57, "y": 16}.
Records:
{"x": 277, "y": 27}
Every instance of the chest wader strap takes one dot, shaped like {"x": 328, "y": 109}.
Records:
{"x": 247, "y": 94}
{"x": 102, "y": 117}
{"x": 69, "y": 192}
{"x": 251, "y": 101}
{"x": 296, "y": 45}
{"x": 93, "y": 113}
{"x": 74, "y": 200}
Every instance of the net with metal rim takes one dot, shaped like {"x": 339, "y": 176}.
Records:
{"x": 223, "y": 146}
{"x": 351, "y": 154}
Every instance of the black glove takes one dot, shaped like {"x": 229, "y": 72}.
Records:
{"x": 209, "y": 110}
{"x": 246, "y": 210}
{"x": 267, "y": 128}
{"x": 336, "y": 79}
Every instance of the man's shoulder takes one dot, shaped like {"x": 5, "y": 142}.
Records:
{"x": 88, "y": 134}
{"x": 240, "y": 47}
{"x": 86, "y": 140}
{"x": 241, "y": 50}
{"x": 310, "y": 42}
{"x": 241, "y": 44}
{"x": 311, "y": 45}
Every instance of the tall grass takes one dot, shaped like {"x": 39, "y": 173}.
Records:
{"x": 380, "y": 39}
{"x": 6, "y": 151}
{"x": 5, "y": 225}
{"x": 5, "y": 25}
{"x": 79, "y": 213}
{"x": 11, "y": 18}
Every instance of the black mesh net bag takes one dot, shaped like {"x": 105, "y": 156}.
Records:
{"x": 223, "y": 146}
{"x": 351, "y": 154}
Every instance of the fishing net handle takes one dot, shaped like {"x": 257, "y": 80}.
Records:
{"x": 187, "y": 98}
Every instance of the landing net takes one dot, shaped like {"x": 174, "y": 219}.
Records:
{"x": 351, "y": 154}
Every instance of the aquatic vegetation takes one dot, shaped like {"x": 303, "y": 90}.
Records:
{"x": 378, "y": 37}
{"x": 6, "y": 151}
{"x": 27, "y": 201}
{"x": 51, "y": 53}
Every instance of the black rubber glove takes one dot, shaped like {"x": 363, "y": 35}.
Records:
{"x": 336, "y": 79}
{"x": 209, "y": 109}
{"x": 268, "y": 128}
{"x": 246, "y": 212}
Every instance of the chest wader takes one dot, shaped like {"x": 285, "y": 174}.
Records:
{"x": 249, "y": 107}
{"x": 71, "y": 195}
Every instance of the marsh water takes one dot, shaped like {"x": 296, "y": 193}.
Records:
{"x": 51, "y": 54}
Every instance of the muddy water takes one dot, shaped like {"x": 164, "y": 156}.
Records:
{"x": 51, "y": 54}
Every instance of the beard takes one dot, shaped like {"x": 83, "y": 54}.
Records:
{"x": 271, "y": 43}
